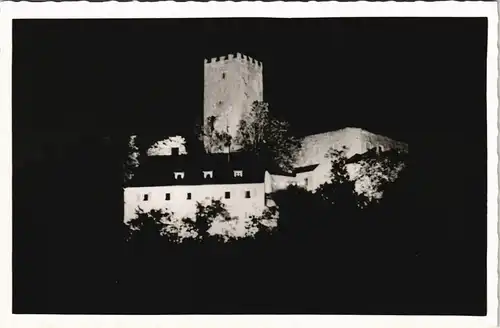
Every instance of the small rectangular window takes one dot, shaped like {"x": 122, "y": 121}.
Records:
{"x": 223, "y": 75}
{"x": 167, "y": 196}
{"x": 145, "y": 197}
{"x": 227, "y": 195}
{"x": 247, "y": 194}
{"x": 188, "y": 195}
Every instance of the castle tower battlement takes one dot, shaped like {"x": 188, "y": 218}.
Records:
{"x": 232, "y": 84}
{"x": 222, "y": 60}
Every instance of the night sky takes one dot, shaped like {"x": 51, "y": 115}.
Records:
{"x": 409, "y": 79}
{"x": 418, "y": 80}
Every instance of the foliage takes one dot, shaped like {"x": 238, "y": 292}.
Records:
{"x": 265, "y": 135}
{"x": 132, "y": 160}
{"x": 153, "y": 224}
{"x": 325, "y": 232}
{"x": 205, "y": 216}
{"x": 340, "y": 190}
{"x": 334, "y": 201}
{"x": 213, "y": 139}
{"x": 377, "y": 170}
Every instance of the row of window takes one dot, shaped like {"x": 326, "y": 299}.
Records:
{"x": 208, "y": 174}
{"x": 227, "y": 195}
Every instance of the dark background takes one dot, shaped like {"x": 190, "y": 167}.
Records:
{"x": 80, "y": 85}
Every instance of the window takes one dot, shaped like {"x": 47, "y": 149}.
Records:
{"x": 238, "y": 173}
{"x": 145, "y": 197}
{"x": 178, "y": 175}
{"x": 175, "y": 151}
{"x": 188, "y": 195}
{"x": 247, "y": 194}
{"x": 223, "y": 76}
{"x": 306, "y": 182}
{"x": 208, "y": 174}
{"x": 227, "y": 195}
{"x": 167, "y": 196}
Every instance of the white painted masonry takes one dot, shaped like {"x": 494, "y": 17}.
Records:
{"x": 232, "y": 84}
{"x": 164, "y": 147}
{"x": 181, "y": 200}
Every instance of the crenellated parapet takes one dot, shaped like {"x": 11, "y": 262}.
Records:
{"x": 244, "y": 59}
{"x": 232, "y": 84}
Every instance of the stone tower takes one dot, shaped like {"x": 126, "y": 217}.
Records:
{"x": 232, "y": 84}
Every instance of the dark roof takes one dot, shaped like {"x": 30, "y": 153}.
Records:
{"x": 306, "y": 168}
{"x": 356, "y": 158}
{"x": 277, "y": 171}
{"x": 159, "y": 170}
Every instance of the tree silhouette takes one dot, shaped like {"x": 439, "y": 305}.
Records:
{"x": 268, "y": 137}
{"x": 132, "y": 160}
{"x": 213, "y": 139}
{"x": 205, "y": 215}
{"x": 340, "y": 190}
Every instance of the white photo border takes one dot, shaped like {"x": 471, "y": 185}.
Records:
{"x": 169, "y": 9}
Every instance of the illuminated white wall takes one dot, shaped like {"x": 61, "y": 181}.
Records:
{"x": 357, "y": 141}
{"x": 164, "y": 147}
{"x": 275, "y": 182}
{"x": 181, "y": 206}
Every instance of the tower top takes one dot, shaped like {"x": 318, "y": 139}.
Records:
{"x": 234, "y": 57}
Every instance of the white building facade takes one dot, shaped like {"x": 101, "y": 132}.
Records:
{"x": 241, "y": 200}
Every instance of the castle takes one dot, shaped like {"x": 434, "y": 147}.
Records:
{"x": 232, "y": 84}
{"x": 171, "y": 178}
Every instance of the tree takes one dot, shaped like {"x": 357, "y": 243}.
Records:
{"x": 132, "y": 160}
{"x": 213, "y": 139}
{"x": 340, "y": 190}
{"x": 205, "y": 215}
{"x": 376, "y": 171}
{"x": 146, "y": 236}
{"x": 156, "y": 221}
{"x": 268, "y": 137}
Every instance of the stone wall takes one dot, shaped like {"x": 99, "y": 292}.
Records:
{"x": 164, "y": 147}
{"x": 232, "y": 84}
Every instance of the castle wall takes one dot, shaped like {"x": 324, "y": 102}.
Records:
{"x": 181, "y": 206}
{"x": 275, "y": 182}
{"x": 232, "y": 84}
{"x": 164, "y": 147}
{"x": 315, "y": 148}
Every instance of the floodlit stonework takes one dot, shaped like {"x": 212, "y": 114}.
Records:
{"x": 315, "y": 149}
{"x": 243, "y": 200}
{"x": 232, "y": 84}
{"x": 165, "y": 147}
{"x": 356, "y": 140}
